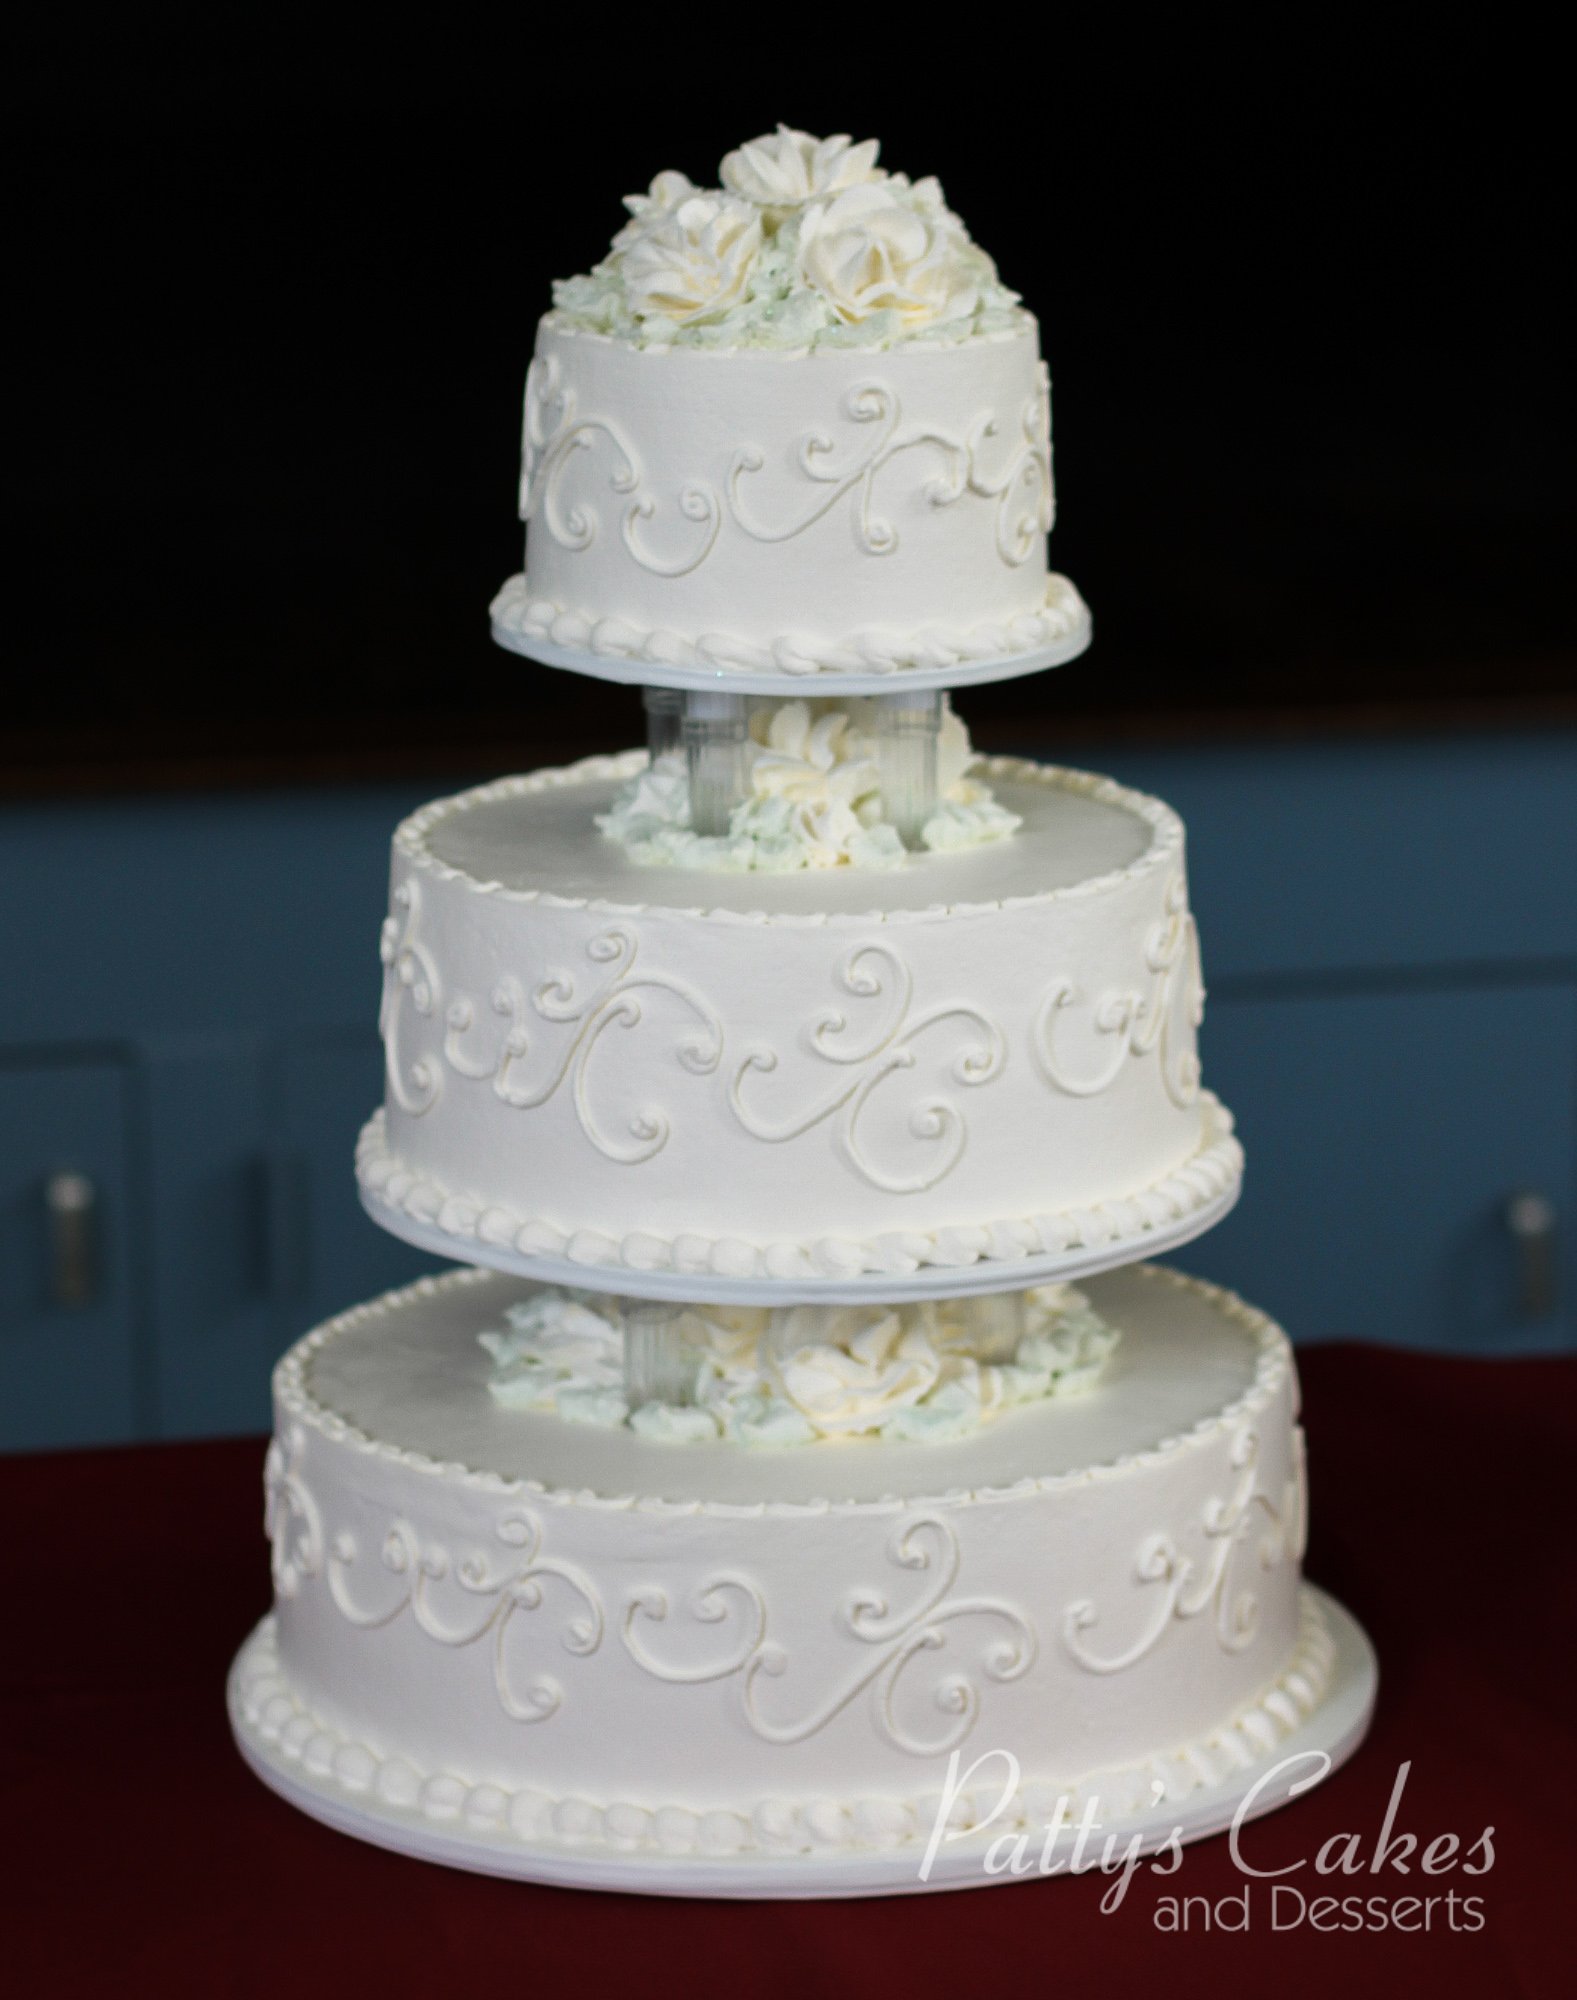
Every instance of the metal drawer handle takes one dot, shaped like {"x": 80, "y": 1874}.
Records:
{"x": 71, "y": 1204}
{"x": 1530, "y": 1217}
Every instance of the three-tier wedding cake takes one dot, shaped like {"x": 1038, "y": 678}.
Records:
{"x": 805, "y": 1486}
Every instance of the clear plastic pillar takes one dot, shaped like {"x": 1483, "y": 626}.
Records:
{"x": 658, "y": 1366}
{"x": 1000, "y": 1319}
{"x": 907, "y": 726}
{"x": 664, "y": 721}
{"x": 716, "y": 734}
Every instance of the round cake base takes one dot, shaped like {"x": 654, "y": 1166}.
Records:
{"x": 304, "y": 1775}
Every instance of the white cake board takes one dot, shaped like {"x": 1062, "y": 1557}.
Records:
{"x": 1332, "y": 1733}
{"x": 652, "y": 673}
{"x": 940, "y": 1281}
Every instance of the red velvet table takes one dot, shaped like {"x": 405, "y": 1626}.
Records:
{"x": 143, "y": 1857}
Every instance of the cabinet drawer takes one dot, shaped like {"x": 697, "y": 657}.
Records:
{"x": 1386, "y": 1133}
{"x": 69, "y": 1363}
{"x": 325, "y": 1251}
{"x": 259, "y": 1233}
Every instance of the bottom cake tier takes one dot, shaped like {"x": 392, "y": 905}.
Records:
{"x": 561, "y": 1640}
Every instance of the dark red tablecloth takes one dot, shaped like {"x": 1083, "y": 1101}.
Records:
{"x": 143, "y": 1857}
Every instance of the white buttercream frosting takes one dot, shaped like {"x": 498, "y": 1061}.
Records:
{"x": 792, "y": 1375}
{"x": 292, "y": 1739}
{"x": 528, "y": 1631}
{"x": 807, "y": 243}
{"x": 814, "y": 799}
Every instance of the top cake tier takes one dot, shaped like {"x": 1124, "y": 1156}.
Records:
{"x": 790, "y": 429}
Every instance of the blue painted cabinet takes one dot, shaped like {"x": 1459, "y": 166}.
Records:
{"x": 259, "y": 1233}
{"x": 327, "y": 1254}
{"x": 1387, "y": 1133}
{"x": 72, "y": 1357}
{"x": 1390, "y": 938}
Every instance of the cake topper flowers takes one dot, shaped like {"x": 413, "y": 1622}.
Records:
{"x": 785, "y": 167}
{"x": 692, "y": 261}
{"x": 807, "y": 243}
{"x": 873, "y": 249}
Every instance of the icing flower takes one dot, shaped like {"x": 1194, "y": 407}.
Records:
{"x": 812, "y": 760}
{"x": 884, "y": 248}
{"x": 769, "y": 1376}
{"x": 664, "y": 195}
{"x": 808, "y": 243}
{"x": 693, "y": 261}
{"x": 844, "y": 1371}
{"x": 814, "y": 783}
{"x": 564, "y": 1334}
{"x": 725, "y": 1337}
{"x": 783, "y": 168}
{"x": 813, "y": 800}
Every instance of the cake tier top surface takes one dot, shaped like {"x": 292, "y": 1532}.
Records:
{"x": 535, "y": 837}
{"x": 409, "y": 1373}
{"x": 794, "y": 425}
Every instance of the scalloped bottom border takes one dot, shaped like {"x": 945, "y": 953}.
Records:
{"x": 1002, "y": 1256}
{"x": 873, "y": 662}
{"x": 1279, "y": 1750}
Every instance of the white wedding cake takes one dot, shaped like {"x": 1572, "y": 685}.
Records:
{"x": 806, "y": 1486}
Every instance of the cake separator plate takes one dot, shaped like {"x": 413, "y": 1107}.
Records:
{"x": 826, "y": 684}
{"x": 930, "y": 1281}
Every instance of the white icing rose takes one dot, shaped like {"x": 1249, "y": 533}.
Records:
{"x": 844, "y": 1371}
{"x": 560, "y": 1331}
{"x": 814, "y": 791}
{"x": 664, "y": 195}
{"x": 808, "y": 757}
{"x": 725, "y": 1337}
{"x": 961, "y": 823}
{"x": 655, "y": 799}
{"x": 691, "y": 262}
{"x": 785, "y": 167}
{"x": 560, "y": 1353}
{"x": 884, "y": 248}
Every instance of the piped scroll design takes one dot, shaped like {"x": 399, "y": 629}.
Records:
{"x": 1027, "y": 475}
{"x": 853, "y": 474}
{"x": 1133, "y": 1021}
{"x": 410, "y": 986}
{"x": 291, "y": 1519}
{"x": 1247, "y": 1518}
{"x": 485, "y": 1596}
{"x": 874, "y": 972}
{"x": 554, "y": 436}
{"x": 925, "y": 1545}
{"x": 615, "y": 1000}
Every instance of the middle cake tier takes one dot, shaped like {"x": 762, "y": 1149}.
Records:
{"x": 962, "y": 1072}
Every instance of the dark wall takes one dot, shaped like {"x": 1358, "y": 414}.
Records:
{"x": 1298, "y": 290}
